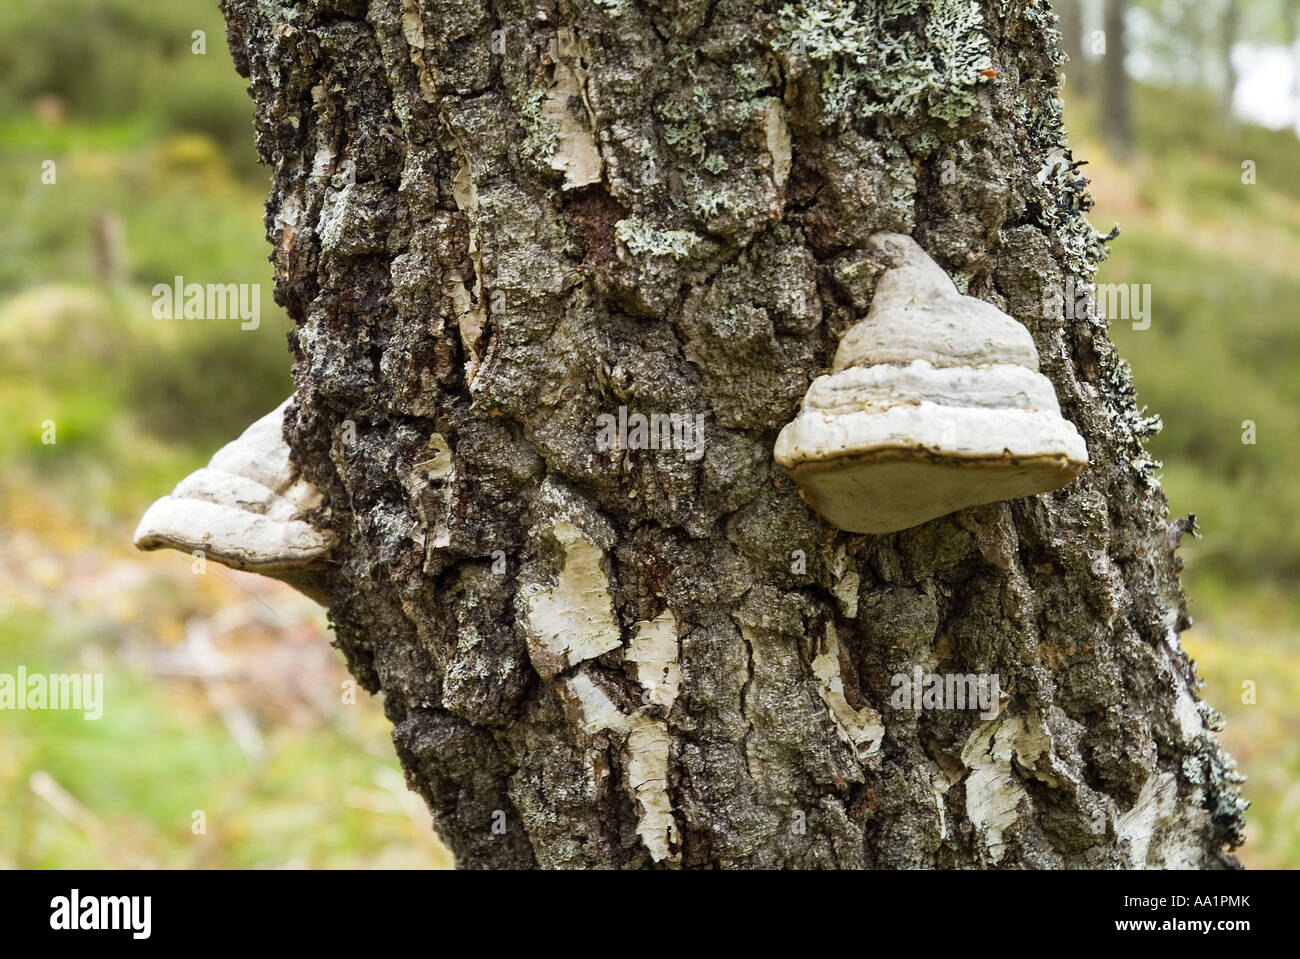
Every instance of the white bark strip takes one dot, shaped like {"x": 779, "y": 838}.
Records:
{"x": 993, "y": 792}
{"x": 576, "y": 154}
{"x": 574, "y": 620}
{"x": 860, "y": 728}
{"x": 648, "y": 745}
{"x": 654, "y": 651}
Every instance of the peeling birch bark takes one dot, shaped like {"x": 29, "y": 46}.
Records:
{"x": 574, "y": 621}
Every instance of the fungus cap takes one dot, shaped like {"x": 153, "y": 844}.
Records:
{"x": 247, "y": 509}
{"x": 934, "y": 403}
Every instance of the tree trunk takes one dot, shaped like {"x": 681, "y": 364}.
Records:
{"x": 1116, "y": 110}
{"x": 494, "y": 223}
{"x": 1229, "y": 30}
{"x": 1070, "y": 13}
{"x": 1291, "y": 24}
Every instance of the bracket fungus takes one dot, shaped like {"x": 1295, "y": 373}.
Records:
{"x": 934, "y": 402}
{"x": 249, "y": 510}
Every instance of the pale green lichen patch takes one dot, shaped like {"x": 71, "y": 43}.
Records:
{"x": 685, "y": 115}
{"x": 709, "y": 203}
{"x": 541, "y": 133}
{"x": 750, "y": 80}
{"x": 871, "y": 60}
{"x": 689, "y": 112}
{"x": 715, "y": 163}
{"x": 641, "y": 238}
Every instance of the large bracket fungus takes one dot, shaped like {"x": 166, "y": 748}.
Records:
{"x": 934, "y": 403}
{"x": 247, "y": 509}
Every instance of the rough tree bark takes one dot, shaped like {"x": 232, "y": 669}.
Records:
{"x": 494, "y": 221}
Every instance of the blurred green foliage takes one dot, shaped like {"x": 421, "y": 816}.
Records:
{"x": 155, "y": 176}
{"x": 1221, "y": 256}
{"x": 156, "y": 141}
{"x": 110, "y": 60}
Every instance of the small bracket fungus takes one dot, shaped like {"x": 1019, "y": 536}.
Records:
{"x": 247, "y": 510}
{"x": 934, "y": 403}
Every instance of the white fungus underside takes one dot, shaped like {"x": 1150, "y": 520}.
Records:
{"x": 951, "y": 458}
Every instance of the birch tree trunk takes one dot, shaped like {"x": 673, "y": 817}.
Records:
{"x": 1116, "y": 106}
{"x": 494, "y": 223}
{"x": 1229, "y": 29}
{"x": 1070, "y": 13}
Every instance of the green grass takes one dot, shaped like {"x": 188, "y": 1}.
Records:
{"x": 142, "y": 771}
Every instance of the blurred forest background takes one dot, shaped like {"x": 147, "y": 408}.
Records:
{"x": 223, "y": 696}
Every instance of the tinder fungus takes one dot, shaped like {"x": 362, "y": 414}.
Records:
{"x": 247, "y": 509}
{"x": 934, "y": 403}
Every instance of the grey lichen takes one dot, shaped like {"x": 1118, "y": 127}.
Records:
{"x": 641, "y": 238}
{"x": 540, "y": 133}
{"x": 871, "y": 63}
